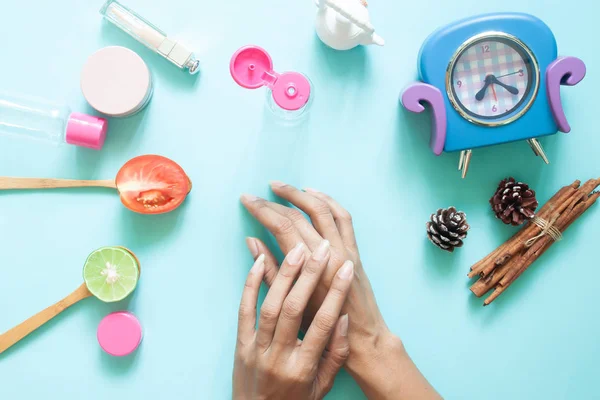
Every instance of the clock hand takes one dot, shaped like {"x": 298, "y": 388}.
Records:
{"x": 494, "y": 92}
{"x": 510, "y": 89}
{"x": 481, "y": 94}
{"x": 512, "y": 73}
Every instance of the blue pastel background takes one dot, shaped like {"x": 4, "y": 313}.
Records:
{"x": 538, "y": 341}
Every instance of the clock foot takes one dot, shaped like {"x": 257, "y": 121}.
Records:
{"x": 537, "y": 148}
{"x": 464, "y": 161}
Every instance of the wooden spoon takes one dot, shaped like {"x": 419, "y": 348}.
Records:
{"x": 9, "y": 183}
{"x": 14, "y": 335}
{"x": 147, "y": 184}
{"x": 9, "y": 338}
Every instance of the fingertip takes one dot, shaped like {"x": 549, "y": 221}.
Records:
{"x": 271, "y": 264}
{"x": 276, "y": 184}
{"x": 346, "y": 272}
{"x": 247, "y": 198}
{"x": 252, "y": 245}
{"x": 296, "y": 255}
{"x": 259, "y": 265}
{"x": 262, "y": 248}
{"x": 322, "y": 252}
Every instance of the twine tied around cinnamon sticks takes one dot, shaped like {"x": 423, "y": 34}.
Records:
{"x": 499, "y": 269}
{"x": 547, "y": 228}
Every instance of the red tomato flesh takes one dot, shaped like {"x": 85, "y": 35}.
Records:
{"x": 152, "y": 184}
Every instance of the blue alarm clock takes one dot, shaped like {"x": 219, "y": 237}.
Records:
{"x": 492, "y": 79}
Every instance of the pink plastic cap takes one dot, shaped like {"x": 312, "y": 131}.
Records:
{"x": 86, "y": 130}
{"x": 119, "y": 333}
{"x": 291, "y": 91}
{"x": 251, "y": 67}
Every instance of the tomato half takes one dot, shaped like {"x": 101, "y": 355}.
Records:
{"x": 152, "y": 184}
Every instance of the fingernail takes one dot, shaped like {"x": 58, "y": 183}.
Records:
{"x": 259, "y": 265}
{"x": 249, "y": 197}
{"x": 347, "y": 270}
{"x": 296, "y": 255}
{"x": 322, "y": 251}
{"x": 252, "y": 244}
{"x": 344, "y": 326}
{"x": 277, "y": 184}
{"x": 311, "y": 190}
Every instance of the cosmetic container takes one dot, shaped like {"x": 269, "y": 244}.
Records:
{"x": 150, "y": 36}
{"x": 116, "y": 82}
{"x": 289, "y": 94}
{"x": 49, "y": 121}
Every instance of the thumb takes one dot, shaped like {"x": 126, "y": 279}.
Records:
{"x": 334, "y": 357}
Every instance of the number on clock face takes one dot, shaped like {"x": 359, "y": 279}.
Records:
{"x": 492, "y": 78}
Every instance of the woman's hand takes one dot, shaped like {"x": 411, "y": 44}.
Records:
{"x": 377, "y": 360}
{"x": 270, "y": 361}
{"x": 330, "y": 221}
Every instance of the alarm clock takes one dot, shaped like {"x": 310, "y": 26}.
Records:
{"x": 492, "y": 79}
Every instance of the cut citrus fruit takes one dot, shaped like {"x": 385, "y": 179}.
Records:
{"x": 111, "y": 273}
{"x": 152, "y": 184}
{"x": 137, "y": 260}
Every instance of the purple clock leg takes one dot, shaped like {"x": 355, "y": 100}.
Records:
{"x": 418, "y": 93}
{"x": 564, "y": 71}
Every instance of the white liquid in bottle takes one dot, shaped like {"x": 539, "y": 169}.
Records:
{"x": 149, "y": 35}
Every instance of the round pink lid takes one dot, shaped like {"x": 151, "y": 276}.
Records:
{"x": 86, "y": 130}
{"x": 119, "y": 333}
{"x": 116, "y": 81}
{"x": 291, "y": 91}
{"x": 251, "y": 67}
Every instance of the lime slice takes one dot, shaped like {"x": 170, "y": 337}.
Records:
{"x": 111, "y": 273}
{"x": 135, "y": 258}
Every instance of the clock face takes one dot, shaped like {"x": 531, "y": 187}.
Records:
{"x": 493, "y": 79}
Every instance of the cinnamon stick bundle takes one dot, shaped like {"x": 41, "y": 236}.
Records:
{"x": 499, "y": 269}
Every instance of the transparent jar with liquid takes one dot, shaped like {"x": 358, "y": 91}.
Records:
{"x": 289, "y": 94}
{"x": 40, "y": 119}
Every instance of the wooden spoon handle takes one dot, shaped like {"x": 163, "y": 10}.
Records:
{"x": 17, "y": 333}
{"x": 9, "y": 183}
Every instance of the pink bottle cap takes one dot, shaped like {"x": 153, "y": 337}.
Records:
{"x": 119, "y": 333}
{"x": 251, "y": 67}
{"x": 86, "y": 130}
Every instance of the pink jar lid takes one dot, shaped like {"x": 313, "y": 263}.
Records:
{"x": 116, "y": 81}
{"x": 86, "y": 130}
{"x": 251, "y": 67}
{"x": 119, "y": 333}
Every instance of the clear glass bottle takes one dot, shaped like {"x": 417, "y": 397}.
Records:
{"x": 53, "y": 122}
{"x": 149, "y": 35}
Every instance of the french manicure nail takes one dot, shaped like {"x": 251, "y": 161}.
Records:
{"x": 322, "y": 251}
{"x": 296, "y": 255}
{"x": 347, "y": 270}
{"x": 277, "y": 184}
{"x": 249, "y": 197}
{"x": 259, "y": 265}
{"x": 252, "y": 246}
{"x": 344, "y": 325}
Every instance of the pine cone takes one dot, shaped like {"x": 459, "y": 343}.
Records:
{"x": 447, "y": 228}
{"x": 514, "y": 202}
